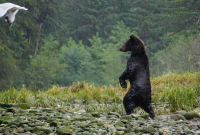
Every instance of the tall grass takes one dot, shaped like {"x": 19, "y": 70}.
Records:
{"x": 14, "y": 96}
{"x": 180, "y": 91}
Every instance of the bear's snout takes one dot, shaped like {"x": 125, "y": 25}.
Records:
{"x": 122, "y": 49}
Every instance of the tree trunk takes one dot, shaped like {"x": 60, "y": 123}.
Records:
{"x": 38, "y": 39}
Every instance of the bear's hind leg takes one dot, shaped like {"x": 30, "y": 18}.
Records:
{"x": 149, "y": 109}
{"x": 129, "y": 105}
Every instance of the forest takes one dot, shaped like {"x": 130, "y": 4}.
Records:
{"x": 64, "y": 41}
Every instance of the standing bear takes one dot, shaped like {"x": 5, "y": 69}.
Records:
{"x": 137, "y": 71}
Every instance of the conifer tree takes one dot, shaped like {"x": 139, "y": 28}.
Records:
{"x": 86, "y": 18}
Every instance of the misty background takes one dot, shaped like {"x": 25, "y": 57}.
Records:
{"x": 64, "y": 41}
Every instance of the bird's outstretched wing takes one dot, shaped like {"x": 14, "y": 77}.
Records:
{"x": 4, "y": 8}
{"x": 9, "y": 6}
{"x": 16, "y": 7}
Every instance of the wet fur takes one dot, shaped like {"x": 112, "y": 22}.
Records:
{"x": 137, "y": 72}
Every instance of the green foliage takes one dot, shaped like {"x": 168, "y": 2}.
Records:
{"x": 182, "y": 56}
{"x": 115, "y": 61}
{"x": 157, "y": 21}
{"x": 97, "y": 29}
{"x": 86, "y": 18}
{"x": 45, "y": 67}
{"x": 6, "y": 68}
{"x": 18, "y": 42}
{"x": 78, "y": 61}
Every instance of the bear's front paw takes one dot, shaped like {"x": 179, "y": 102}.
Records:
{"x": 123, "y": 84}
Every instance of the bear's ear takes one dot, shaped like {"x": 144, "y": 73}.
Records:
{"x": 132, "y": 37}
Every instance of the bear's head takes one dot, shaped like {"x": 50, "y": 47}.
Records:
{"x": 134, "y": 44}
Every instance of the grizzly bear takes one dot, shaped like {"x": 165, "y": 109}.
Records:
{"x": 137, "y": 72}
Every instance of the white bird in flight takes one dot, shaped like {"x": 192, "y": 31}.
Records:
{"x": 10, "y": 10}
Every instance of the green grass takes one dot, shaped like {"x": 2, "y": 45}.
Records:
{"x": 171, "y": 91}
{"x": 181, "y": 91}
